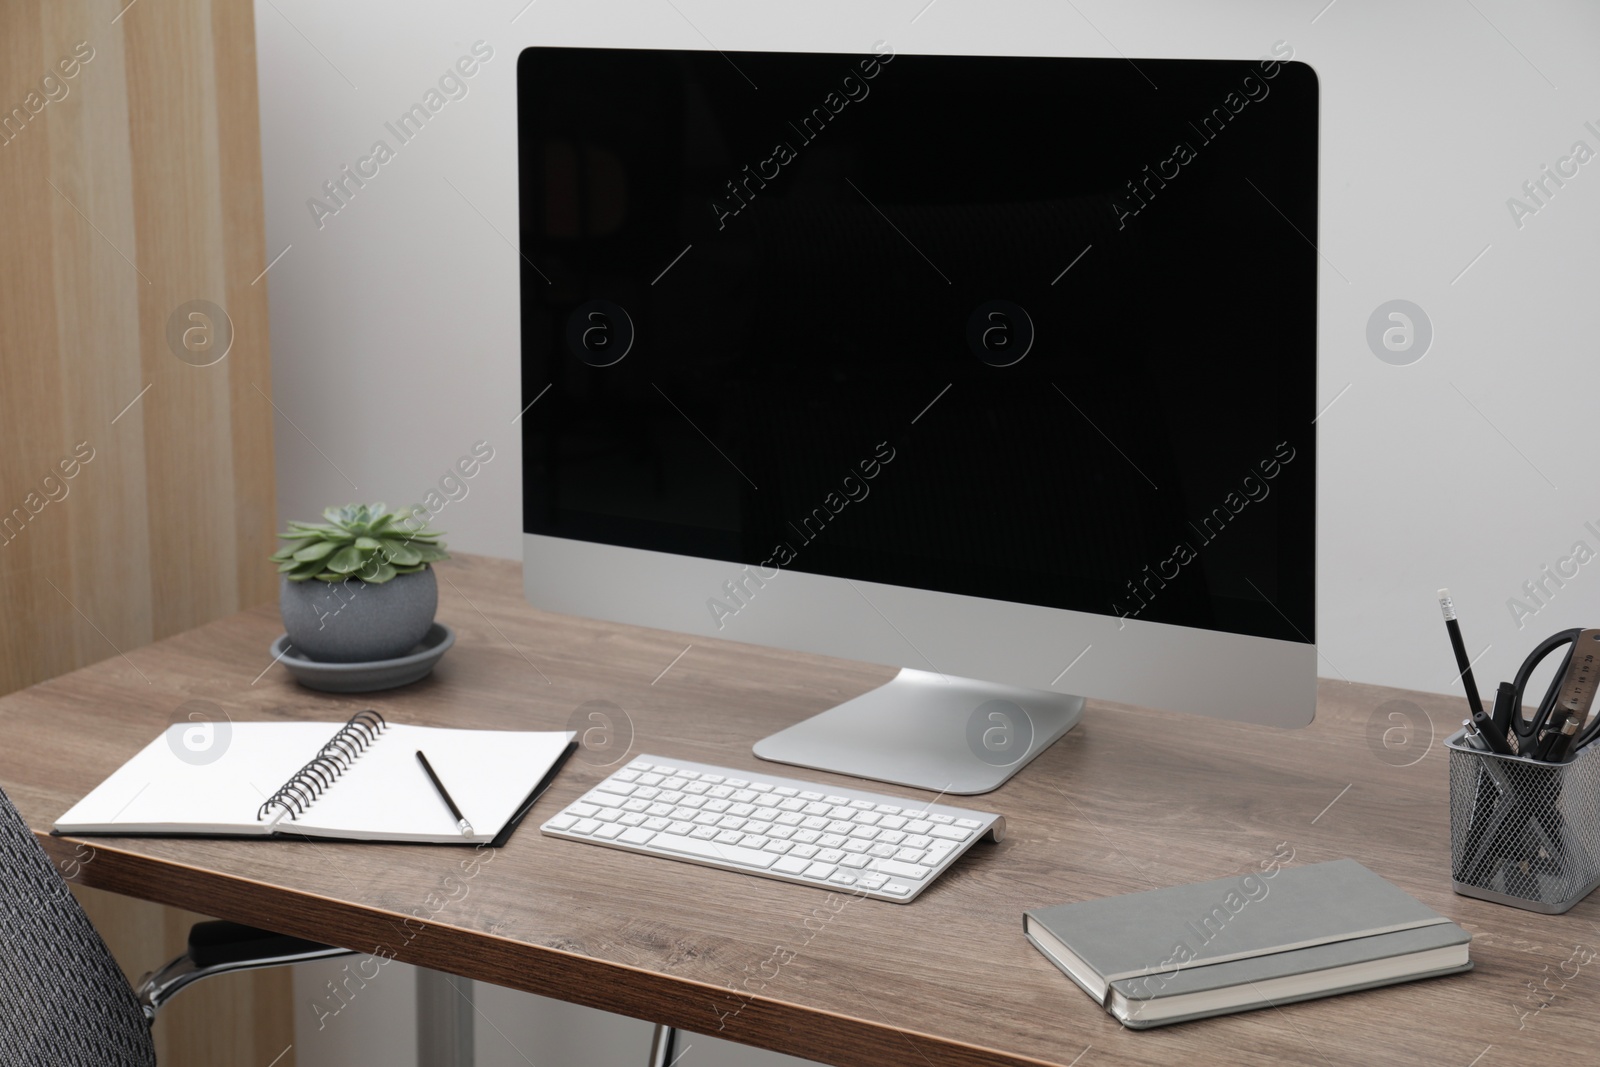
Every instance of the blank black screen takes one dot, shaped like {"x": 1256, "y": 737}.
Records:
{"x": 815, "y": 263}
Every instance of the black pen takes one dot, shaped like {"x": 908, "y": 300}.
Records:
{"x": 444, "y": 794}
{"x": 1454, "y": 629}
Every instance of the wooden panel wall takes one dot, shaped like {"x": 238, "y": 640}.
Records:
{"x": 130, "y": 185}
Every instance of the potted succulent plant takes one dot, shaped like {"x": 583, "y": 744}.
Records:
{"x": 358, "y": 587}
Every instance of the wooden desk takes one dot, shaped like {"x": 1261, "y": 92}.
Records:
{"x": 1129, "y": 800}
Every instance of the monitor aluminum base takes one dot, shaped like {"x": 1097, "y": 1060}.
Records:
{"x": 929, "y": 731}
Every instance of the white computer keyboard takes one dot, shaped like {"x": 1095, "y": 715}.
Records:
{"x": 848, "y": 840}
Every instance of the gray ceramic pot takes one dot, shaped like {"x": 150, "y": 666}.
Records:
{"x": 353, "y": 622}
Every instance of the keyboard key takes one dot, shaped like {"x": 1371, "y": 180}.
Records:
{"x": 831, "y": 840}
{"x": 767, "y": 814}
{"x": 970, "y": 824}
{"x": 683, "y": 813}
{"x": 896, "y": 869}
{"x": 905, "y": 855}
{"x": 608, "y": 814}
{"x": 842, "y": 878}
{"x": 945, "y": 819}
{"x": 639, "y": 765}
{"x": 659, "y": 809}
{"x": 718, "y": 805}
{"x": 918, "y": 826}
{"x": 806, "y": 837}
{"x": 867, "y": 818}
{"x": 744, "y": 796}
{"x": 562, "y": 821}
{"x": 780, "y": 847}
{"x": 855, "y": 861}
{"x": 605, "y": 800}
{"x": 791, "y": 865}
{"x": 761, "y": 787}
{"x": 721, "y": 791}
{"x": 738, "y": 783}
{"x": 882, "y": 851}
{"x": 888, "y": 809}
{"x": 918, "y": 841}
{"x": 817, "y": 807}
{"x": 743, "y": 809}
{"x": 855, "y": 845}
{"x": 625, "y": 776}
{"x": 756, "y": 826}
{"x": 806, "y": 851}
{"x": 864, "y": 805}
{"x": 871, "y": 881}
{"x": 689, "y": 774}
{"x": 636, "y": 805}
{"x": 680, "y": 827}
{"x": 659, "y": 769}
{"x": 837, "y": 800}
{"x": 609, "y": 831}
{"x": 890, "y": 837}
{"x": 781, "y": 832}
{"x": 632, "y": 818}
{"x": 815, "y": 822}
{"x": 891, "y": 822}
{"x": 669, "y": 796}
{"x": 657, "y": 823}
{"x": 839, "y": 827}
{"x": 864, "y": 833}
{"x": 754, "y": 841}
{"x": 820, "y": 870}
{"x": 696, "y": 788}
{"x": 785, "y": 791}
{"x": 583, "y": 811}
{"x": 692, "y": 801}
{"x": 952, "y": 833}
{"x": 729, "y": 837}
{"x": 830, "y": 855}
{"x": 704, "y": 833}
{"x": 707, "y": 818}
{"x": 676, "y": 782}
{"x": 646, "y": 793}
{"x": 711, "y": 779}
{"x": 691, "y": 846}
{"x": 899, "y": 889}
{"x": 842, "y": 812}
{"x": 650, "y": 779}
{"x": 586, "y": 826}
{"x": 731, "y": 822}
{"x": 790, "y": 818}
{"x": 634, "y": 835}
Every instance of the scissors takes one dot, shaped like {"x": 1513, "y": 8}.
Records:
{"x": 1570, "y": 695}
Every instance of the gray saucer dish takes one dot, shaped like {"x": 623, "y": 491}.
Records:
{"x": 367, "y": 677}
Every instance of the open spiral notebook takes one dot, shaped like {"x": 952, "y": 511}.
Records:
{"x": 359, "y": 780}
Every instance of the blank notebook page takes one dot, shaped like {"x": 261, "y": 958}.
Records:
{"x": 163, "y": 789}
{"x": 386, "y": 794}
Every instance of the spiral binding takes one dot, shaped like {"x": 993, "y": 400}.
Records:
{"x": 335, "y": 757}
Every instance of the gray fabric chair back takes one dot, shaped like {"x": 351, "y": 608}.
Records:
{"x": 63, "y": 999}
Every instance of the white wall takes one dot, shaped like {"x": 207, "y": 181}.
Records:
{"x": 394, "y": 325}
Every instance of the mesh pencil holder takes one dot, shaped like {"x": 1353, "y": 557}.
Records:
{"x": 1524, "y": 832}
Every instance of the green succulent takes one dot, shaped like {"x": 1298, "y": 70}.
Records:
{"x": 365, "y": 541}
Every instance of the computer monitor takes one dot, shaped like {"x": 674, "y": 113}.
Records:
{"x": 1000, "y": 370}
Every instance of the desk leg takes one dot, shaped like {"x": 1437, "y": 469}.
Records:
{"x": 663, "y": 1047}
{"x": 444, "y": 1019}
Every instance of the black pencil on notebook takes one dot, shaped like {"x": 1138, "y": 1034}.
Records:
{"x": 444, "y": 794}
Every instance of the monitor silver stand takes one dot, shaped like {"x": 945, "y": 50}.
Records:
{"x": 930, "y": 731}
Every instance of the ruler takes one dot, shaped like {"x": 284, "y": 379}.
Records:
{"x": 1581, "y": 679}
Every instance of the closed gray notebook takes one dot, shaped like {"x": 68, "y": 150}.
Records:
{"x": 1244, "y": 942}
